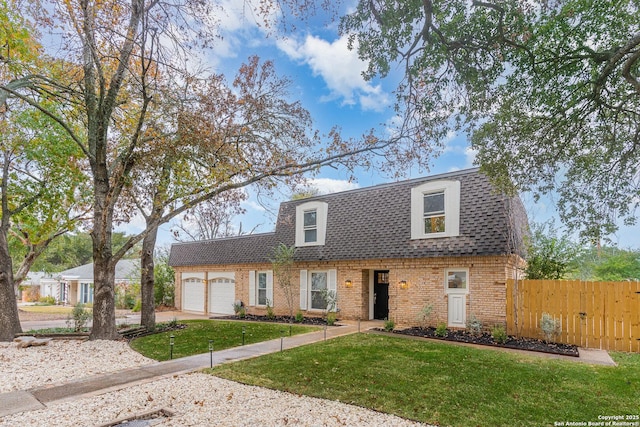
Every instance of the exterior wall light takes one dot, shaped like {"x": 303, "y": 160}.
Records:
{"x": 348, "y": 283}
{"x": 404, "y": 284}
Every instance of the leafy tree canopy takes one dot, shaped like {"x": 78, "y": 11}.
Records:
{"x": 549, "y": 254}
{"x": 549, "y": 92}
{"x": 609, "y": 264}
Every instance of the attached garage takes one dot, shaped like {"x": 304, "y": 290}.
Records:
{"x": 222, "y": 292}
{"x": 193, "y": 293}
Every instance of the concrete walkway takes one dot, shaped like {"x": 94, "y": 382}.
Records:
{"x": 39, "y": 398}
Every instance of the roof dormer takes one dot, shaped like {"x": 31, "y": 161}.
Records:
{"x": 311, "y": 223}
{"x": 435, "y": 210}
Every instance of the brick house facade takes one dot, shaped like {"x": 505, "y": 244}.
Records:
{"x": 449, "y": 241}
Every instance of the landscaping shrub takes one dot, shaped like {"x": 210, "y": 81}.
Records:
{"x": 389, "y": 325}
{"x": 499, "y": 334}
{"x": 474, "y": 325}
{"x": 299, "y": 317}
{"x": 424, "y": 316}
{"x": 48, "y": 300}
{"x": 270, "y": 314}
{"x": 550, "y": 326}
{"x": 441, "y": 330}
{"x": 79, "y": 317}
{"x": 239, "y": 310}
{"x": 331, "y": 318}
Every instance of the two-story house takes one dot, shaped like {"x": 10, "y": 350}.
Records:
{"x": 449, "y": 241}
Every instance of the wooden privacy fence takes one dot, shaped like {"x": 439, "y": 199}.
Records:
{"x": 603, "y": 315}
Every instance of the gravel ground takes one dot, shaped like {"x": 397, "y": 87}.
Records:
{"x": 195, "y": 399}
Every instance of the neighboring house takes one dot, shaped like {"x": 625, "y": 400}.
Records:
{"x": 449, "y": 241}
{"x": 75, "y": 285}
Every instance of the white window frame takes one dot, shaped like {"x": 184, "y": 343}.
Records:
{"x": 88, "y": 293}
{"x": 321, "y": 209}
{"x": 305, "y": 287}
{"x": 448, "y": 290}
{"x": 254, "y": 288}
{"x": 451, "y": 191}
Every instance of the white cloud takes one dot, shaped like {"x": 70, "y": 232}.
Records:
{"x": 470, "y": 156}
{"x": 340, "y": 68}
{"x": 329, "y": 185}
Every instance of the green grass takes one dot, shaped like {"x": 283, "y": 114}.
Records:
{"x": 49, "y": 309}
{"x": 447, "y": 384}
{"x": 195, "y": 338}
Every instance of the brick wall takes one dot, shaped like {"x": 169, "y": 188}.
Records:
{"x": 426, "y": 286}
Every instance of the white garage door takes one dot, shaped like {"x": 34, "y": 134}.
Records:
{"x": 193, "y": 295}
{"x": 222, "y": 295}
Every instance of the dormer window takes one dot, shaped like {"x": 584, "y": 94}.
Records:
{"x": 310, "y": 226}
{"x": 434, "y": 213}
{"x": 311, "y": 223}
{"x": 435, "y": 210}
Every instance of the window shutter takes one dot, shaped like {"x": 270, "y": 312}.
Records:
{"x": 332, "y": 284}
{"x": 252, "y": 287}
{"x": 270, "y": 287}
{"x": 303, "y": 289}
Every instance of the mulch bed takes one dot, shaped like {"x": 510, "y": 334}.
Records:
{"x": 521, "y": 343}
{"x": 314, "y": 321}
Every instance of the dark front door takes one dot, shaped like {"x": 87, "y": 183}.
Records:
{"x": 380, "y": 294}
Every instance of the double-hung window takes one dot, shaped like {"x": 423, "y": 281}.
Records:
{"x": 435, "y": 210}
{"x": 318, "y": 290}
{"x": 310, "y": 226}
{"x": 262, "y": 288}
{"x": 86, "y": 293}
{"x": 311, "y": 223}
{"x": 434, "y": 213}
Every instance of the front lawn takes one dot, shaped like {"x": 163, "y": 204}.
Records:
{"x": 48, "y": 309}
{"x": 447, "y": 384}
{"x": 194, "y": 339}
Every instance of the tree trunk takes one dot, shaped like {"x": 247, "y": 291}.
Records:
{"x": 104, "y": 264}
{"x": 147, "y": 282}
{"x": 104, "y": 310}
{"x": 9, "y": 320}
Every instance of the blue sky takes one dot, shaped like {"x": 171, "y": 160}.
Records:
{"x": 327, "y": 80}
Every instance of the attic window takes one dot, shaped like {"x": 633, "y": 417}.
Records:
{"x": 434, "y": 213}
{"x": 435, "y": 210}
{"x": 310, "y": 226}
{"x": 311, "y": 223}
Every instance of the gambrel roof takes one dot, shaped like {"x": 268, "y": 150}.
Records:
{"x": 375, "y": 223}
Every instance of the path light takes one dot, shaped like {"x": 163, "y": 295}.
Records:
{"x": 211, "y": 353}
{"x": 243, "y": 332}
{"x": 281, "y": 339}
{"x": 325, "y": 331}
{"x": 171, "y": 341}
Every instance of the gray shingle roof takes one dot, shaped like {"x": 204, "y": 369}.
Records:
{"x": 375, "y": 223}
{"x": 125, "y": 269}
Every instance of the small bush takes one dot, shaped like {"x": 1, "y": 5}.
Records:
{"x": 425, "y": 315}
{"x": 441, "y": 330}
{"x": 389, "y": 325}
{"x": 550, "y": 326}
{"x": 474, "y": 325}
{"x": 331, "y": 318}
{"x": 270, "y": 314}
{"x": 137, "y": 307}
{"x": 239, "y": 310}
{"x": 79, "y": 317}
{"x": 299, "y": 317}
{"x": 499, "y": 334}
{"x": 48, "y": 300}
